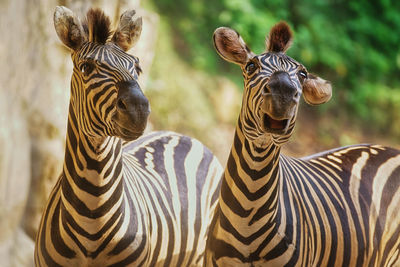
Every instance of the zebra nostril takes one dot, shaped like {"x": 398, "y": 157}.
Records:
{"x": 121, "y": 105}
{"x": 296, "y": 95}
{"x": 265, "y": 90}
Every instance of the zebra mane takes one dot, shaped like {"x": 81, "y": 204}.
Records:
{"x": 97, "y": 26}
{"x": 280, "y": 38}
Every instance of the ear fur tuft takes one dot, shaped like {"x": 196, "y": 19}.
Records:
{"x": 69, "y": 28}
{"x": 230, "y": 46}
{"x": 280, "y": 38}
{"x": 316, "y": 90}
{"x": 128, "y": 31}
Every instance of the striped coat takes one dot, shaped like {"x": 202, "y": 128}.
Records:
{"x": 123, "y": 198}
{"x": 153, "y": 210}
{"x": 336, "y": 208}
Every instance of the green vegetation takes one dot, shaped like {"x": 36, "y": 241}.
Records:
{"x": 353, "y": 43}
{"x": 176, "y": 90}
{"x": 185, "y": 100}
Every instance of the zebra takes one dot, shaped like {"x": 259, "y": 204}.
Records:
{"x": 335, "y": 208}
{"x": 122, "y": 199}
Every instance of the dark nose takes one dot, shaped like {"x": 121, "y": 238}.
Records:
{"x": 280, "y": 96}
{"x": 281, "y": 84}
{"x": 131, "y": 101}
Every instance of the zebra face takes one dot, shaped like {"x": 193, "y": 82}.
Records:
{"x": 105, "y": 95}
{"x": 273, "y": 82}
{"x": 109, "y": 98}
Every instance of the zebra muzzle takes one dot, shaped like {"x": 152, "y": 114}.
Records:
{"x": 133, "y": 110}
{"x": 274, "y": 126}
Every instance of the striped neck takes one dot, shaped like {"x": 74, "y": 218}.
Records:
{"x": 251, "y": 182}
{"x": 93, "y": 203}
{"x": 247, "y": 215}
{"x": 92, "y": 171}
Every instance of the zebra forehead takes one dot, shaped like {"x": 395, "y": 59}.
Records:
{"x": 273, "y": 58}
{"x": 109, "y": 54}
{"x": 106, "y": 52}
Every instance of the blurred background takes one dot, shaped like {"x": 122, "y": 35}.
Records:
{"x": 353, "y": 43}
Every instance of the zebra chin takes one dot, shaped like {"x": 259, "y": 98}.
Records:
{"x": 127, "y": 135}
{"x": 129, "y": 131}
{"x": 130, "y": 125}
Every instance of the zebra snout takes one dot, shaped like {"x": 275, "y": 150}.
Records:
{"x": 133, "y": 110}
{"x": 281, "y": 84}
{"x": 280, "y": 96}
{"x": 131, "y": 100}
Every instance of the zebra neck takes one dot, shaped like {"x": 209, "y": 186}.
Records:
{"x": 250, "y": 187}
{"x": 91, "y": 163}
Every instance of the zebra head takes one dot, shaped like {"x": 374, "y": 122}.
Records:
{"x": 105, "y": 96}
{"x": 273, "y": 83}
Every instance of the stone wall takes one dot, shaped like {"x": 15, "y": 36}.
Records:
{"x": 34, "y": 94}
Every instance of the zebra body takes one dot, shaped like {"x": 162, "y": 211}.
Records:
{"x": 336, "y": 208}
{"x": 122, "y": 200}
{"x": 151, "y": 211}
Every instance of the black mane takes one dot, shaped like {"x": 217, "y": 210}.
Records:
{"x": 97, "y": 26}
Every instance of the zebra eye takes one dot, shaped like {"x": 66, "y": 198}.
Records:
{"x": 302, "y": 74}
{"x": 86, "y": 68}
{"x": 250, "y": 67}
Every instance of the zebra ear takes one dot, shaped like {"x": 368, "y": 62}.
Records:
{"x": 128, "y": 31}
{"x": 230, "y": 46}
{"x": 316, "y": 90}
{"x": 69, "y": 28}
{"x": 280, "y": 38}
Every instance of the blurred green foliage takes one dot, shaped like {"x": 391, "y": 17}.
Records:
{"x": 353, "y": 43}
